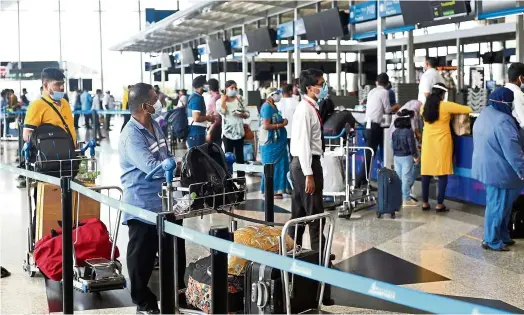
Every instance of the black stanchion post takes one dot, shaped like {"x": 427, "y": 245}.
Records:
{"x": 219, "y": 287}
{"x": 166, "y": 272}
{"x": 269, "y": 194}
{"x": 67, "y": 245}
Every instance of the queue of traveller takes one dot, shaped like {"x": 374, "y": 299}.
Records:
{"x": 291, "y": 137}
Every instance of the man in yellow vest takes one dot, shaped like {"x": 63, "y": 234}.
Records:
{"x": 124, "y": 107}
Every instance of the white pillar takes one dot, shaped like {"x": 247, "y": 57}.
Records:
{"x": 298, "y": 66}
{"x": 139, "y": 29}
{"x": 208, "y": 65}
{"x": 460, "y": 66}
{"x": 244, "y": 67}
{"x": 60, "y": 33}
{"x": 520, "y": 38}
{"x": 182, "y": 73}
{"x": 360, "y": 59}
{"x": 381, "y": 45}
{"x": 289, "y": 67}
{"x": 338, "y": 67}
{"x": 410, "y": 59}
{"x": 19, "y": 50}
{"x": 253, "y": 65}
{"x": 100, "y": 36}
{"x": 403, "y": 61}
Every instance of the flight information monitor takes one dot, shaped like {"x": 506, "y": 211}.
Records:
{"x": 447, "y": 9}
{"x": 416, "y": 12}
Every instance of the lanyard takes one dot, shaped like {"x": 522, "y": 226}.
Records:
{"x": 316, "y": 110}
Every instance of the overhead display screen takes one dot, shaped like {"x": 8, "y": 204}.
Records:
{"x": 261, "y": 39}
{"x": 189, "y": 56}
{"x": 326, "y": 25}
{"x": 416, "y": 12}
{"x": 218, "y": 48}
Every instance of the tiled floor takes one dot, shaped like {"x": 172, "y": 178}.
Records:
{"x": 436, "y": 253}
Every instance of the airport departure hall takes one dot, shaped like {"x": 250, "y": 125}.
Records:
{"x": 262, "y": 157}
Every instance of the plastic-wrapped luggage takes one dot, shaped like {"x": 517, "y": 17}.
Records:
{"x": 261, "y": 237}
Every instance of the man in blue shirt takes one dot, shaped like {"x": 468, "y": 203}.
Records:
{"x": 143, "y": 147}
{"x": 87, "y": 102}
{"x": 196, "y": 114}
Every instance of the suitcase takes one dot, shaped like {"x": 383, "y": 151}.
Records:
{"x": 516, "y": 221}
{"x": 389, "y": 192}
{"x": 264, "y": 289}
{"x": 198, "y": 287}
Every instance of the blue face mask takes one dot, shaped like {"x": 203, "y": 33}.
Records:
{"x": 232, "y": 93}
{"x": 323, "y": 93}
{"x": 57, "y": 95}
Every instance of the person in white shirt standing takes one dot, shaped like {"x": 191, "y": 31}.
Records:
{"x": 515, "y": 84}
{"x": 307, "y": 146}
{"x": 377, "y": 105}
{"x": 430, "y": 77}
{"x": 287, "y": 106}
{"x": 107, "y": 104}
{"x": 97, "y": 105}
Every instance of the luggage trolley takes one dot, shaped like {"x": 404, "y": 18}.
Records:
{"x": 326, "y": 221}
{"x": 196, "y": 200}
{"x": 354, "y": 199}
{"x": 98, "y": 274}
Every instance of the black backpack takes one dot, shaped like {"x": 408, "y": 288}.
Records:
{"x": 204, "y": 171}
{"x": 53, "y": 150}
{"x": 177, "y": 122}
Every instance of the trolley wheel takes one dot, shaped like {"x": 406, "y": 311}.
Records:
{"x": 393, "y": 215}
{"x": 379, "y": 215}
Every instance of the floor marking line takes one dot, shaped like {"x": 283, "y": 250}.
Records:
{"x": 472, "y": 237}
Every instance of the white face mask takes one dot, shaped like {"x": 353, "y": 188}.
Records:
{"x": 157, "y": 106}
{"x": 276, "y": 97}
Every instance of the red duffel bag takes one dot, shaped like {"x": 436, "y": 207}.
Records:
{"x": 93, "y": 242}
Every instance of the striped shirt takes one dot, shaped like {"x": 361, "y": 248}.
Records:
{"x": 140, "y": 152}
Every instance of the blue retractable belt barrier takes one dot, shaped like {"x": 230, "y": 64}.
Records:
{"x": 385, "y": 291}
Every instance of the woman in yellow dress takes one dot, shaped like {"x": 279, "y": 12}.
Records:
{"x": 437, "y": 144}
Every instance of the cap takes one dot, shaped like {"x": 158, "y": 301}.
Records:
{"x": 54, "y": 74}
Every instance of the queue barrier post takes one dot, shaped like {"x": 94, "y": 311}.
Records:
{"x": 269, "y": 194}
{"x": 219, "y": 286}
{"x": 67, "y": 245}
{"x": 166, "y": 272}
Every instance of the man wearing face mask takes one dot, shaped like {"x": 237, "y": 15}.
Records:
{"x": 196, "y": 114}
{"x": 39, "y": 111}
{"x": 516, "y": 84}
{"x": 143, "y": 147}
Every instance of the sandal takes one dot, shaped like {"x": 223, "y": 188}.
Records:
{"x": 426, "y": 208}
{"x": 279, "y": 196}
{"x": 443, "y": 209}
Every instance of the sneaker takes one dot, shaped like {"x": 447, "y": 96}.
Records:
{"x": 148, "y": 311}
{"x": 410, "y": 203}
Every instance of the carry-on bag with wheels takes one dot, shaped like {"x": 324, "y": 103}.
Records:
{"x": 516, "y": 222}
{"x": 389, "y": 192}
{"x": 264, "y": 289}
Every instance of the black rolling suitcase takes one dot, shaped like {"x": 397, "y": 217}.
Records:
{"x": 264, "y": 289}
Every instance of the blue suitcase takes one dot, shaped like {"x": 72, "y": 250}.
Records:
{"x": 389, "y": 192}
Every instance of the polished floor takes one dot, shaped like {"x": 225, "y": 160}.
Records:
{"x": 436, "y": 253}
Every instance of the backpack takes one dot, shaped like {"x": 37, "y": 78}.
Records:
{"x": 177, "y": 122}
{"x": 53, "y": 150}
{"x": 204, "y": 171}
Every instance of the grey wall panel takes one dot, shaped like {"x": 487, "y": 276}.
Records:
{"x": 490, "y": 5}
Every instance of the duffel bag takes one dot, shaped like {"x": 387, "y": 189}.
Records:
{"x": 198, "y": 287}
{"x": 337, "y": 122}
{"x": 93, "y": 242}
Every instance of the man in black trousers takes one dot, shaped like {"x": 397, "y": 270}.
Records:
{"x": 307, "y": 146}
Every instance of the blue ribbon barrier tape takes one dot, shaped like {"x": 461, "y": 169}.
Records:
{"x": 31, "y": 174}
{"x": 79, "y": 112}
{"x": 381, "y": 290}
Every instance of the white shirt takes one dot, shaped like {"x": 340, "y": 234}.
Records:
{"x": 287, "y": 107}
{"x": 427, "y": 80}
{"x": 306, "y": 134}
{"x": 107, "y": 102}
{"x": 96, "y": 102}
{"x": 518, "y": 103}
{"x": 377, "y": 105}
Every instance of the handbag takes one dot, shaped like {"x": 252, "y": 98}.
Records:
{"x": 248, "y": 133}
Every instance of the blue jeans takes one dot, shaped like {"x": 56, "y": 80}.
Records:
{"x": 195, "y": 140}
{"x": 404, "y": 168}
{"x": 499, "y": 202}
